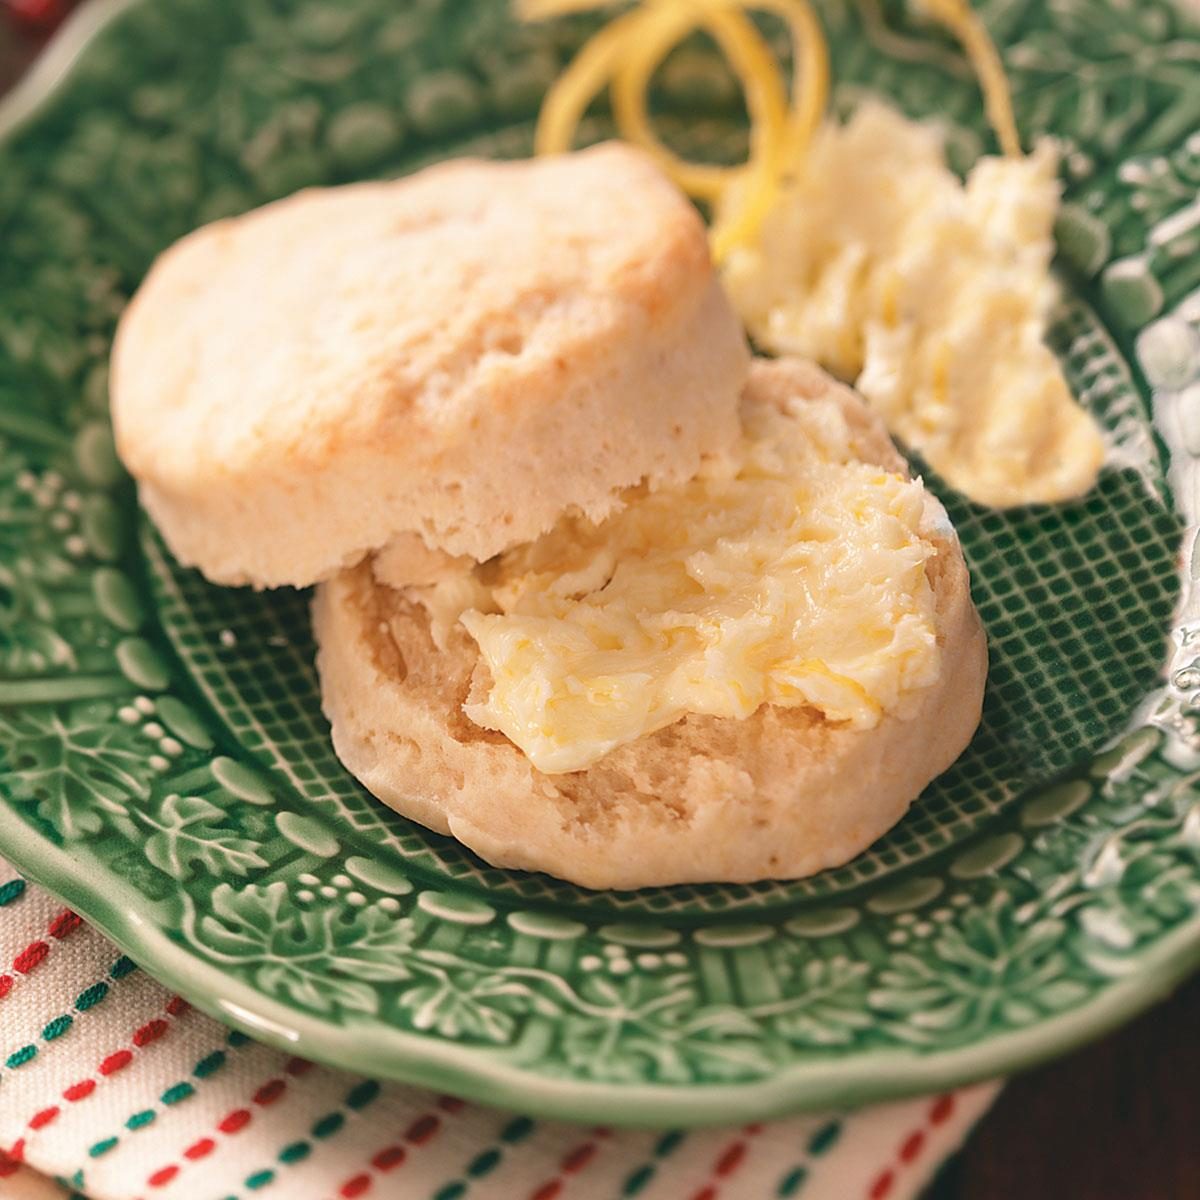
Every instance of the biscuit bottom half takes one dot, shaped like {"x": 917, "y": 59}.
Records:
{"x": 782, "y": 792}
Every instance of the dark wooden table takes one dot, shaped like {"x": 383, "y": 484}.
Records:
{"x": 1119, "y": 1120}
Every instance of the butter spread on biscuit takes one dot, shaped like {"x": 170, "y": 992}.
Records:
{"x": 932, "y": 296}
{"x": 792, "y": 575}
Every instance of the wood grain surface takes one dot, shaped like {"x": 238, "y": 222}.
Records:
{"x": 1118, "y": 1120}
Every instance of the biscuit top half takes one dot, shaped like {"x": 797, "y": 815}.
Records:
{"x": 464, "y": 354}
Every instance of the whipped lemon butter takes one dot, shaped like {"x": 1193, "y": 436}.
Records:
{"x": 790, "y": 574}
{"x": 932, "y": 297}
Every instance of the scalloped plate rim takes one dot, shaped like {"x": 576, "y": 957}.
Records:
{"x": 485, "y": 1077}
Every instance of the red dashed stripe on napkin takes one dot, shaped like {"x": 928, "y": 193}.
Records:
{"x": 728, "y": 1163}
{"x": 118, "y": 1060}
{"x": 572, "y": 1164}
{"x": 911, "y": 1147}
{"x": 36, "y": 953}
{"x": 420, "y": 1133}
{"x": 359, "y": 1097}
{"x": 231, "y": 1124}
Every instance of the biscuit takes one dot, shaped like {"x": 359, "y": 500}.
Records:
{"x": 782, "y": 794}
{"x": 463, "y": 355}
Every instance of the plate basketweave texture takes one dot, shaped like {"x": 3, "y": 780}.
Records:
{"x": 163, "y": 760}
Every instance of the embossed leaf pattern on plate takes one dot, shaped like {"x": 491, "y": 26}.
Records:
{"x": 164, "y": 761}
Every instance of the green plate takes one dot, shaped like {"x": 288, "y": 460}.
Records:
{"x": 165, "y": 763}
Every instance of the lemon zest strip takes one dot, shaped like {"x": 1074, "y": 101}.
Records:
{"x": 753, "y": 63}
{"x": 627, "y": 52}
{"x": 586, "y": 74}
{"x": 972, "y": 34}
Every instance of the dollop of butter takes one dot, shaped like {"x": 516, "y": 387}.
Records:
{"x": 793, "y": 574}
{"x": 932, "y": 297}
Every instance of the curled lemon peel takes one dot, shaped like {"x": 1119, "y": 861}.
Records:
{"x": 739, "y": 223}
{"x": 626, "y": 53}
{"x": 810, "y": 75}
{"x": 964, "y": 23}
{"x": 779, "y": 137}
{"x": 586, "y": 74}
{"x": 752, "y": 62}
{"x": 542, "y": 10}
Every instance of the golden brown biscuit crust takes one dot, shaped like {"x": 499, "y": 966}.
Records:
{"x": 462, "y": 354}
